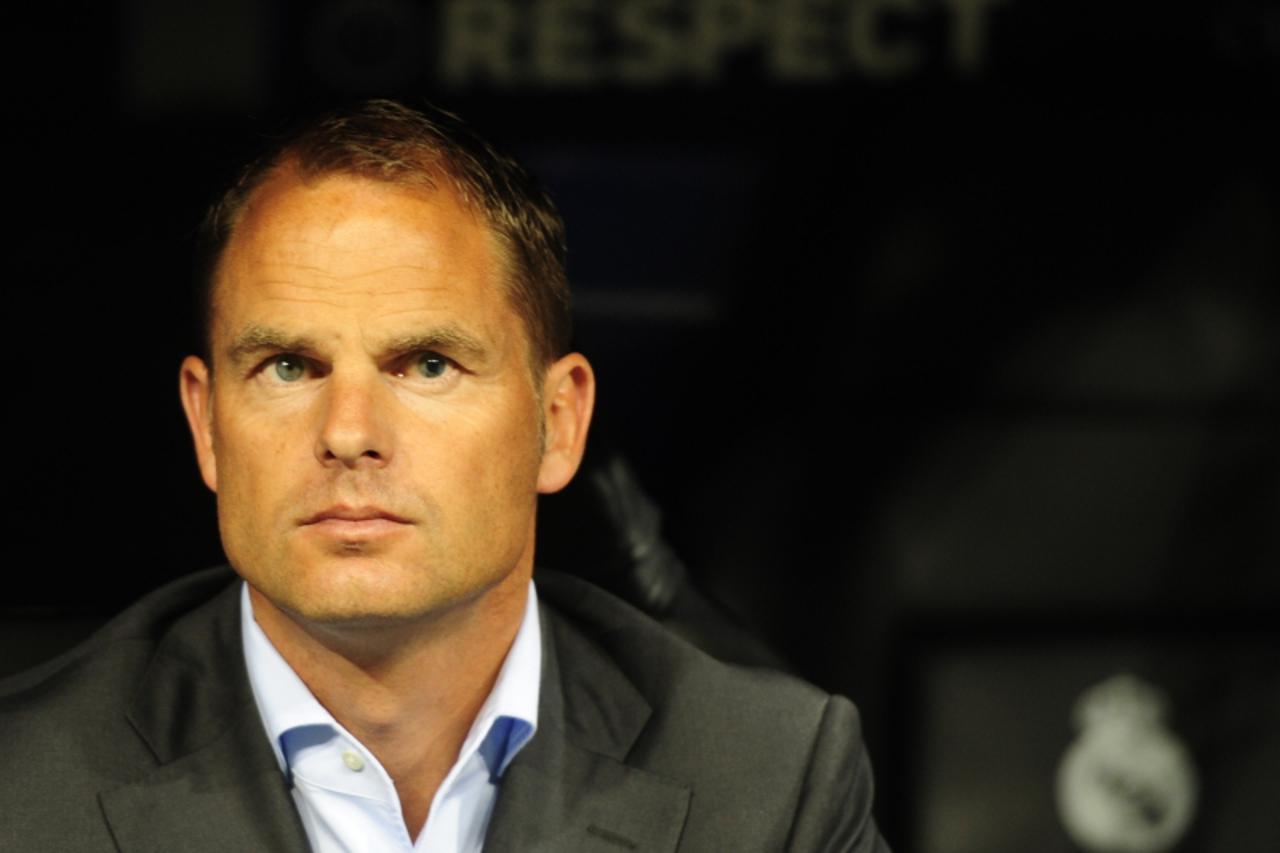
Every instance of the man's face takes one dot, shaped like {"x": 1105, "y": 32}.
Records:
{"x": 372, "y": 429}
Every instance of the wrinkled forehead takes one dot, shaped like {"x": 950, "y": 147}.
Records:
{"x": 290, "y": 179}
{"x": 317, "y": 213}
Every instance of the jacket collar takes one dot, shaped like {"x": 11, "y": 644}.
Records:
{"x": 571, "y": 788}
{"x": 218, "y": 785}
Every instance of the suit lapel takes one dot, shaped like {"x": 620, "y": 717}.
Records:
{"x": 218, "y": 786}
{"x": 570, "y": 789}
{"x": 217, "y": 798}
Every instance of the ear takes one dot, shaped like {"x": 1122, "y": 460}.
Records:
{"x": 568, "y": 397}
{"x": 195, "y": 387}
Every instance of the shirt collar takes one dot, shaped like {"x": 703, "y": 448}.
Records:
{"x": 506, "y": 721}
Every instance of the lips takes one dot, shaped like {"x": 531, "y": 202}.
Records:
{"x": 352, "y": 524}
{"x": 340, "y": 514}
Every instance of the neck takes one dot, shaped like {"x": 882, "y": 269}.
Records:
{"x": 409, "y": 691}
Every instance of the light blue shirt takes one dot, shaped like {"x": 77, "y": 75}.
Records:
{"x": 346, "y": 799}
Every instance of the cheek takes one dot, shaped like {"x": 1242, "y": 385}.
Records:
{"x": 490, "y": 436}
{"x": 253, "y": 466}
{"x": 499, "y": 469}
{"x": 493, "y": 472}
{"x": 521, "y": 448}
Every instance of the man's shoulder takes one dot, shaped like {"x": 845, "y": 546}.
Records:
{"x": 663, "y": 666}
{"x": 125, "y": 644}
{"x": 82, "y": 697}
{"x": 699, "y": 708}
{"x": 72, "y": 723}
{"x": 729, "y": 735}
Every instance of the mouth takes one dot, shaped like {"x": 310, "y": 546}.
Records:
{"x": 353, "y": 524}
{"x": 353, "y": 514}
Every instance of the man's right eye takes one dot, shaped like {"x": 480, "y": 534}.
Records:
{"x": 287, "y": 368}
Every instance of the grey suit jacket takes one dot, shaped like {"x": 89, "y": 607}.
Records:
{"x": 146, "y": 738}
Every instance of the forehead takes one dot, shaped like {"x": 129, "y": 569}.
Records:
{"x": 345, "y": 247}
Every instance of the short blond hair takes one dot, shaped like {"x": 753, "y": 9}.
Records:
{"x": 387, "y": 141}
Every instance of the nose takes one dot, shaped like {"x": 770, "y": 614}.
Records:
{"x": 355, "y": 431}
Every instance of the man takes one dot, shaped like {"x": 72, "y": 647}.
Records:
{"x": 387, "y": 388}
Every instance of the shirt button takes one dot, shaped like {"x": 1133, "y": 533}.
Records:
{"x": 352, "y": 759}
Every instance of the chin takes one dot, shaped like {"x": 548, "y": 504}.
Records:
{"x": 368, "y": 591}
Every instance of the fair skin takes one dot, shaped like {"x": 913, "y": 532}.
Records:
{"x": 377, "y": 438}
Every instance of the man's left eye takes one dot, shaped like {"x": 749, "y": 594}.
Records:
{"x": 288, "y": 368}
{"x": 431, "y": 365}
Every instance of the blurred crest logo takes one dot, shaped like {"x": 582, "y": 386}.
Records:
{"x": 1127, "y": 783}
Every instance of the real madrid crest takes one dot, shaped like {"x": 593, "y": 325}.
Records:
{"x": 1126, "y": 784}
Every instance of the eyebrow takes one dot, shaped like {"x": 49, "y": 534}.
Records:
{"x": 450, "y": 339}
{"x": 256, "y": 339}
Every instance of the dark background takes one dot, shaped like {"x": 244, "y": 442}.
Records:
{"x": 945, "y": 334}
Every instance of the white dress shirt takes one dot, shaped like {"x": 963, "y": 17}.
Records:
{"x": 346, "y": 799}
